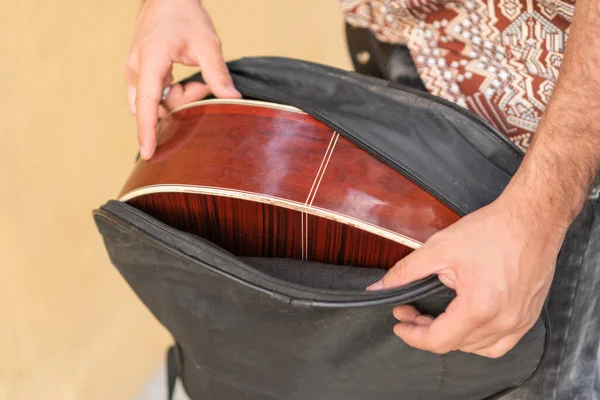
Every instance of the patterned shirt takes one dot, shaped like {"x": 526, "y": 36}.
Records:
{"x": 497, "y": 58}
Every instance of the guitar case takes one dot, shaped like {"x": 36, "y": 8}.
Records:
{"x": 275, "y": 329}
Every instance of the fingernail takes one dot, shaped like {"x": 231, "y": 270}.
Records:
{"x": 232, "y": 90}
{"x": 376, "y": 286}
{"x": 144, "y": 153}
{"x": 165, "y": 93}
{"x": 398, "y": 329}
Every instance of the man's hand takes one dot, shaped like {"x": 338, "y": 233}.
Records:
{"x": 167, "y": 32}
{"x": 500, "y": 261}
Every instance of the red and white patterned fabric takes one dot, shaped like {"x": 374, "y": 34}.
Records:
{"x": 497, "y": 58}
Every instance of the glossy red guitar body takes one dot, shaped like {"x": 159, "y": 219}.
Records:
{"x": 260, "y": 179}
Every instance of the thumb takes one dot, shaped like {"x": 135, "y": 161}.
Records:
{"x": 417, "y": 265}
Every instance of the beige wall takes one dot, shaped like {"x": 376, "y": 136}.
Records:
{"x": 69, "y": 326}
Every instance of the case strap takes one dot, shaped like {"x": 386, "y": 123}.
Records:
{"x": 392, "y": 62}
{"x": 174, "y": 369}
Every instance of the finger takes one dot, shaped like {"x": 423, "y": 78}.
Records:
{"x": 409, "y": 314}
{"x": 173, "y": 99}
{"x": 214, "y": 70}
{"x": 167, "y": 80}
{"x": 417, "y": 265}
{"x": 445, "y": 333}
{"x": 131, "y": 98}
{"x": 131, "y": 77}
{"x": 181, "y": 95}
{"x": 163, "y": 111}
{"x": 193, "y": 91}
{"x": 406, "y": 313}
{"x": 148, "y": 97}
{"x": 424, "y": 320}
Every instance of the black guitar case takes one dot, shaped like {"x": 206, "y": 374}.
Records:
{"x": 278, "y": 329}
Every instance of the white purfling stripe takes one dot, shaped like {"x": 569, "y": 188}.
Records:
{"x": 304, "y": 216}
{"x": 293, "y": 205}
{"x": 241, "y": 102}
{"x": 324, "y": 168}
{"x": 320, "y": 168}
{"x": 302, "y": 234}
{"x": 305, "y": 250}
{"x": 318, "y": 179}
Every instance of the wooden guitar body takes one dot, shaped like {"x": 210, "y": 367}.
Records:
{"x": 265, "y": 180}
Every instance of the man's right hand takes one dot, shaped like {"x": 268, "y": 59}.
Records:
{"x": 167, "y": 32}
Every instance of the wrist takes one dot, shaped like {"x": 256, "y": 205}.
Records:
{"x": 548, "y": 191}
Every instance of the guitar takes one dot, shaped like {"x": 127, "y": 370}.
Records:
{"x": 262, "y": 179}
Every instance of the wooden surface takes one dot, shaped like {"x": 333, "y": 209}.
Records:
{"x": 254, "y": 229}
{"x": 260, "y": 153}
{"x": 70, "y": 327}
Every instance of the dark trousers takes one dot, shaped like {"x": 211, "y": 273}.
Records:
{"x": 572, "y": 365}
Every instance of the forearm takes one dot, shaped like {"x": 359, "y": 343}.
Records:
{"x": 564, "y": 158}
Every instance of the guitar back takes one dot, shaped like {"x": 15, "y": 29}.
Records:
{"x": 265, "y": 180}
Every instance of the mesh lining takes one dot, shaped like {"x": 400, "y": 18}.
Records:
{"x": 317, "y": 275}
{"x": 309, "y": 273}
